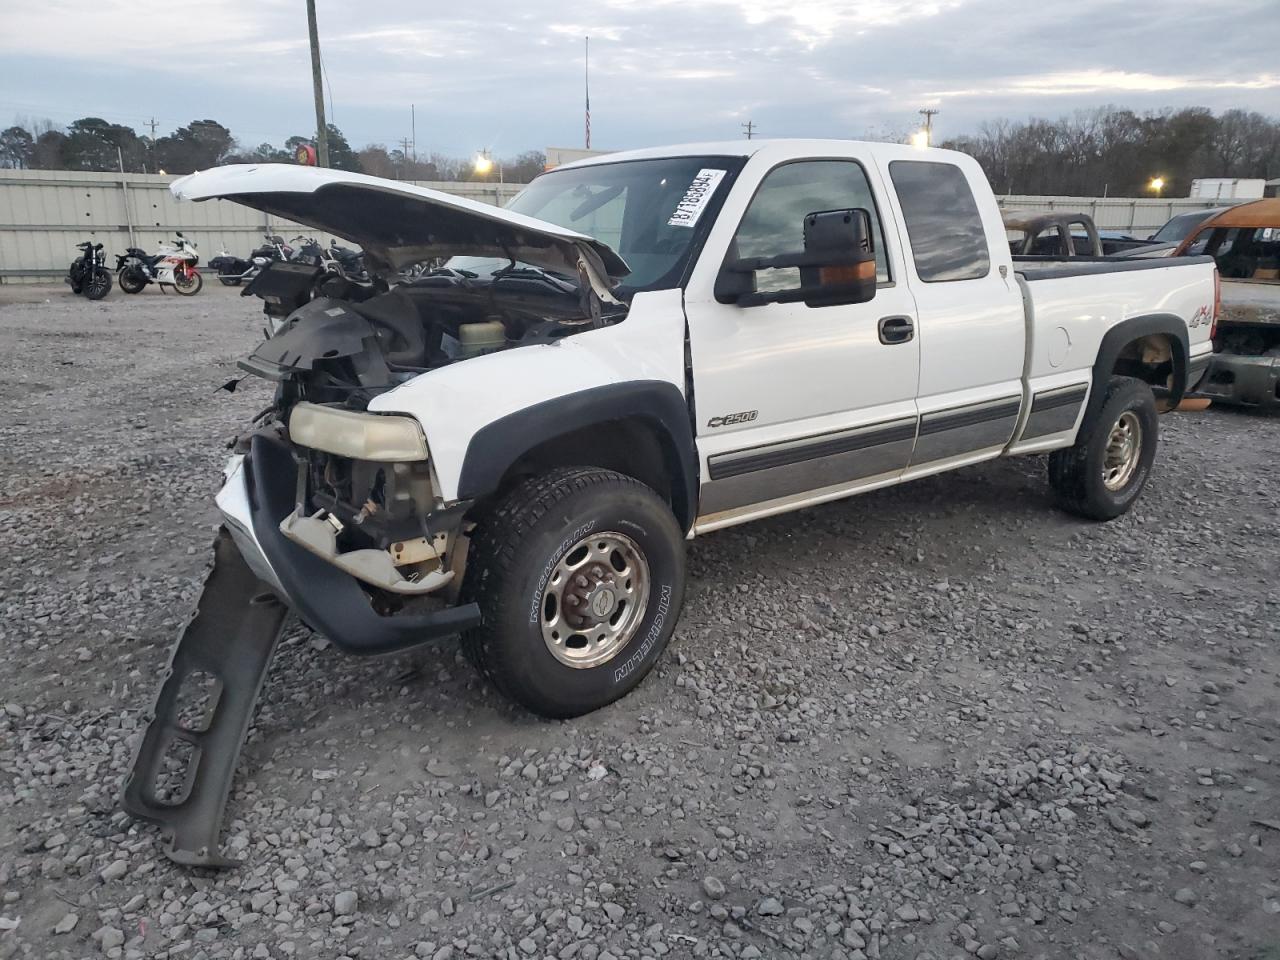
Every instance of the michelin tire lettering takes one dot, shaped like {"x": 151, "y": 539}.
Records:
{"x": 660, "y": 617}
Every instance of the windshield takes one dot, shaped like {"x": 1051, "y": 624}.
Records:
{"x": 1178, "y": 228}
{"x": 653, "y": 213}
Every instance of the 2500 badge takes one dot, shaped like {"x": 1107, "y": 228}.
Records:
{"x": 746, "y": 416}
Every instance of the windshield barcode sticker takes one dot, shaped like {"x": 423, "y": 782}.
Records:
{"x": 696, "y": 198}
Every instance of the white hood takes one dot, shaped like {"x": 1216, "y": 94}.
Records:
{"x": 397, "y": 223}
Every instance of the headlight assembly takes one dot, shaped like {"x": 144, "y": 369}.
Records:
{"x": 360, "y": 436}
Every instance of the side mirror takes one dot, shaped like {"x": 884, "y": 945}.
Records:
{"x": 837, "y": 265}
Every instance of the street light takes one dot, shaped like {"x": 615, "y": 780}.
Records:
{"x": 484, "y": 165}
{"x": 1156, "y": 185}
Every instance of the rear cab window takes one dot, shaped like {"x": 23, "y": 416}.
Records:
{"x": 944, "y": 225}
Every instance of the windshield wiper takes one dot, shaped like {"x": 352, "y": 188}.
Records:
{"x": 561, "y": 283}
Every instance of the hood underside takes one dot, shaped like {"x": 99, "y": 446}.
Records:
{"x": 400, "y": 224}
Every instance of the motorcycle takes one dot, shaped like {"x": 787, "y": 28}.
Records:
{"x": 174, "y": 265}
{"x": 232, "y": 271}
{"x": 88, "y": 273}
{"x": 350, "y": 262}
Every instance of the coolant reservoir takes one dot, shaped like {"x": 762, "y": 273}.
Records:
{"x": 483, "y": 337}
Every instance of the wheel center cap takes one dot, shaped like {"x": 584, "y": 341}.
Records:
{"x": 602, "y": 603}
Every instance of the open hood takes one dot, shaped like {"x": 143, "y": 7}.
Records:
{"x": 399, "y": 224}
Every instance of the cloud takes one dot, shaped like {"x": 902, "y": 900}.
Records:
{"x": 509, "y": 76}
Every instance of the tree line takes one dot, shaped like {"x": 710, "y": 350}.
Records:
{"x": 92, "y": 143}
{"x": 1106, "y": 151}
{"x": 1116, "y": 152}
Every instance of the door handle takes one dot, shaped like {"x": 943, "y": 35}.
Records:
{"x": 896, "y": 329}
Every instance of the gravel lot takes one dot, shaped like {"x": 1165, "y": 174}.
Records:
{"x": 932, "y": 722}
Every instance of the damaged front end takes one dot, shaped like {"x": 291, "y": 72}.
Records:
{"x": 331, "y": 512}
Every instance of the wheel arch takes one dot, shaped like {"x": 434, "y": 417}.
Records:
{"x": 641, "y": 429}
{"x": 1153, "y": 347}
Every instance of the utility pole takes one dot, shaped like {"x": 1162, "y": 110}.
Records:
{"x": 586, "y": 87}
{"x": 322, "y": 129}
{"x": 928, "y": 125}
{"x": 152, "y": 124}
{"x": 413, "y": 128}
{"x": 749, "y": 129}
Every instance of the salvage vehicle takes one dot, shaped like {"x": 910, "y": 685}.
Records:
{"x": 642, "y": 348}
{"x": 1057, "y": 234}
{"x": 1245, "y": 242}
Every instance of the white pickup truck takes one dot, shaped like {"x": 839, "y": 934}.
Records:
{"x": 643, "y": 347}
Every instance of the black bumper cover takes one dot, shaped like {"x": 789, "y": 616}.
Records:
{"x": 329, "y": 600}
{"x": 1247, "y": 381}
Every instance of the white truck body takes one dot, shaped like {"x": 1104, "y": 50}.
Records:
{"x": 666, "y": 361}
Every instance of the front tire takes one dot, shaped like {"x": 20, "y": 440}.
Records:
{"x": 98, "y": 285}
{"x": 1104, "y": 473}
{"x": 188, "y": 283}
{"x": 579, "y": 574}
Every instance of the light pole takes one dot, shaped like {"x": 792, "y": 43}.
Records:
{"x": 322, "y": 128}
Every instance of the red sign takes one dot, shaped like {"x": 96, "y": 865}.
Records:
{"x": 305, "y": 155}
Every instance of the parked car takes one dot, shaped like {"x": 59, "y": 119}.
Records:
{"x": 1245, "y": 242}
{"x": 516, "y": 446}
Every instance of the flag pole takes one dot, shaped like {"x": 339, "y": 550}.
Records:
{"x": 586, "y": 84}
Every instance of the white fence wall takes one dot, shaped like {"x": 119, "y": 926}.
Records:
{"x": 1141, "y": 215}
{"x": 45, "y": 213}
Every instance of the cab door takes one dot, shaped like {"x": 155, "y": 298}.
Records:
{"x": 972, "y": 325}
{"x": 794, "y": 403}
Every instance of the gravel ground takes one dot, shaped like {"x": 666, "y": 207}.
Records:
{"x": 932, "y": 722}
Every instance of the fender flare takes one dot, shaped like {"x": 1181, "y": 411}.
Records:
{"x": 660, "y": 405}
{"x": 1135, "y": 328}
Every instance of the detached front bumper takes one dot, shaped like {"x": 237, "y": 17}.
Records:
{"x": 1247, "y": 381}
{"x": 258, "y": 495}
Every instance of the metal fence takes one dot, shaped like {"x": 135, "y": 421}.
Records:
{"x": 45, "y": 213}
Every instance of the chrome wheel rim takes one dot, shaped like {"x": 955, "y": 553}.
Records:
{"x": 594, "y": 600}
{"x": 1124, "y": 449}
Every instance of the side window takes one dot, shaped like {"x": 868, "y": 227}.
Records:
{"x": 948, "y": 241}
{"x": 774, "y": 222}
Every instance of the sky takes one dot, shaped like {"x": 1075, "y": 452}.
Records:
{"x": 509, "y": 77}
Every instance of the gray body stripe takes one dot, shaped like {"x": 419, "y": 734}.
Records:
{"x": 726, "y": 465}
{"x": 1053, "y": 411}
{"x": 961, "y": 430}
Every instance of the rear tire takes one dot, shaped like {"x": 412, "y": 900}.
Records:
{"x": 574, "y": 541}
{"x": 1104, "y": 473}
{"x": 132, "y": 280}
{"x": 98, "y": 285}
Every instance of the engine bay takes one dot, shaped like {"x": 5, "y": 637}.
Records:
{"x": 338, "y": 342}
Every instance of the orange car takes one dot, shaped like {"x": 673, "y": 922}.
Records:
{"x": 1245, "y": 240}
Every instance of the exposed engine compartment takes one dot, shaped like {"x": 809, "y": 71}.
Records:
{"x": 338, "y": 344}
{"x": 354, "y": 341}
